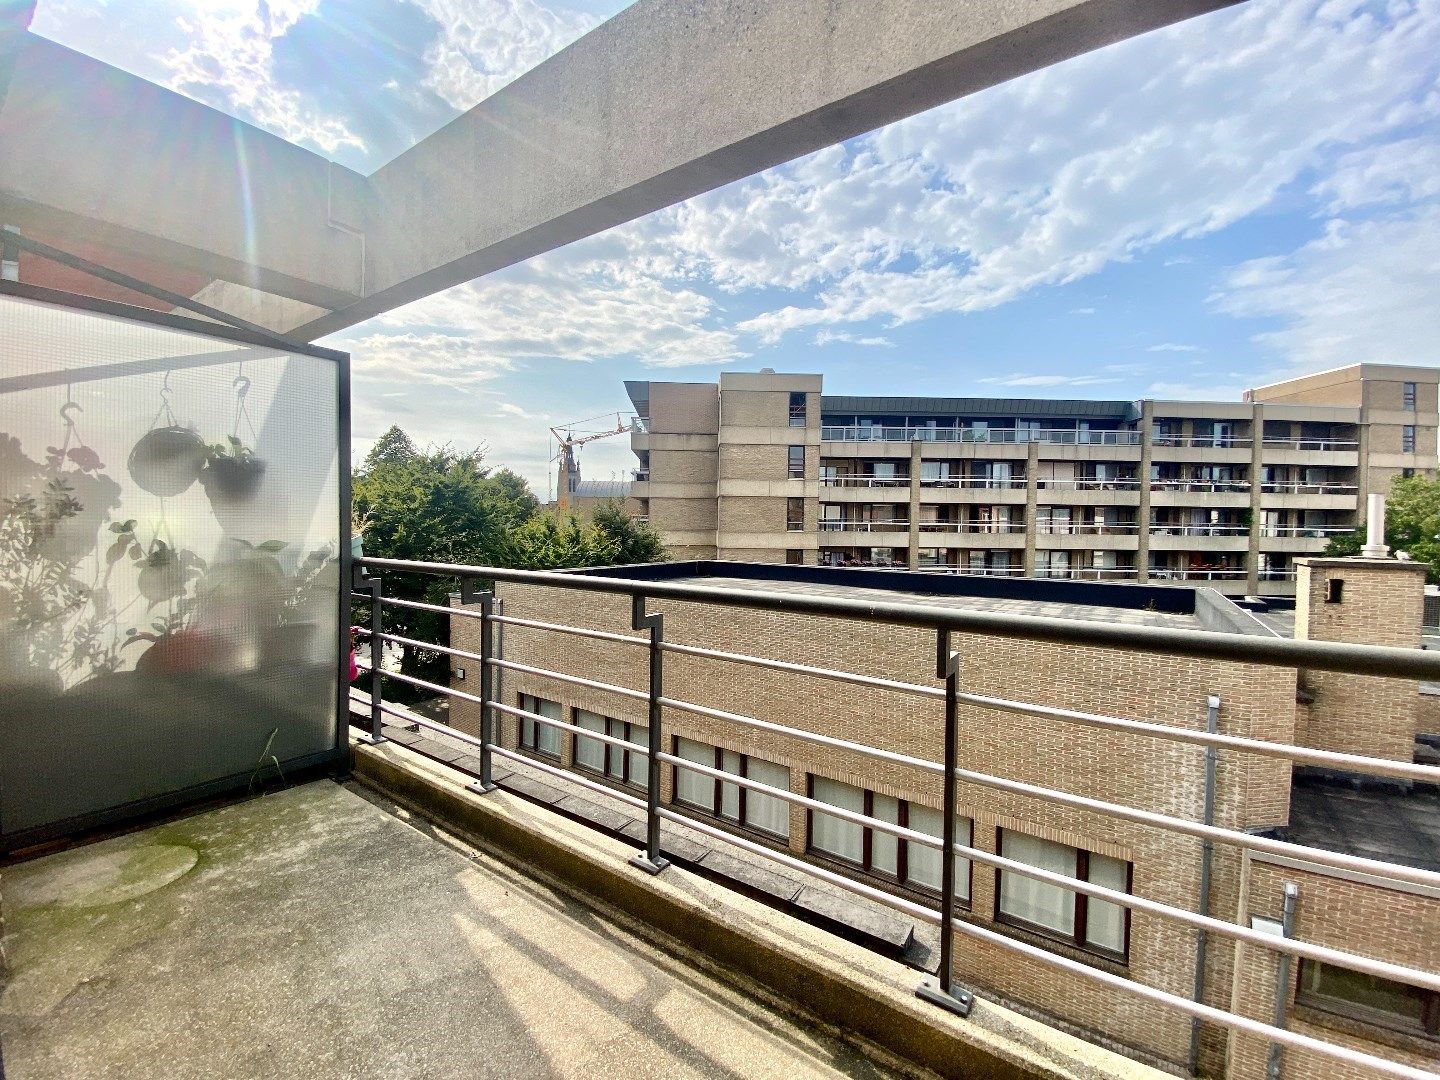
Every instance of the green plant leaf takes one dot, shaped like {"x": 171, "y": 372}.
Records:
{"x": 273, "y": 546}
{"x": 116, "y": 551}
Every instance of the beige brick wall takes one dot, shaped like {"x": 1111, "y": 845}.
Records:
{"x": 755, "y": 408}
{"x": 682, "y": 515}
{"x": 1388, "y": 924}
{"x": 752, "y": 514}
{"x": 742, "y": 461}
{"x": 1381, "y": 604}
{"x": 684, "y": 408}
{"x": 683, "y": 466}
{"x": 1258, "y": 702}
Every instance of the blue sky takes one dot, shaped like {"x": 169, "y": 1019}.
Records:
{"x": 1245, "y": 196}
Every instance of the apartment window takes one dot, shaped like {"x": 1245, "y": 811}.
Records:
{"x": 880, "y": 852}
{"x": 794, "y": 557}
{"x": 796, "y": 470}
{"x": 743, "y": 806}
{"x": 1407, "y": 397}
{"x": 1407, "y": 439}
{"x": 794, "y": 515}
{"x": 626, "y": 766}
{"x": 535, "y": 736}
{"x": 1058, "y": 912}
{"x": 1368, "y": 998}
{"x": 1406, "y": 474}
{"x": 797, "y": 409}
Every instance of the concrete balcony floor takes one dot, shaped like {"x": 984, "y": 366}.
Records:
{"x": 317, "y": 932}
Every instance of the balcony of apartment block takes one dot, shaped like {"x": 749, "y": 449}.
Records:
{"x": 1084, "y": 569}
{"x": 1199, "y": 491}
{"x": 1120, "y": 535}
{"x": 1220, "y": 449}
{"x": 1309, "y": 494}
{"x": 959, "y": 438}
{"x": 1121, "y": 489}
{"x": 973, "y": 488}
{"x": 864, "y": 485}
{"x": 1195, "y": 566}
{"x": 1300, "y": 539}
{"x": 959, "y": 564}
{"x": 881, "y": 531}
{"x": 957, "y": 532}
{"x": 1339, "y": 451}
{"x": 1228, "y": 535}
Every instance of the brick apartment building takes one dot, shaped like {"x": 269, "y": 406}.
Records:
{"x": 764, "y": 467}
{"x": 1376, "y": 601}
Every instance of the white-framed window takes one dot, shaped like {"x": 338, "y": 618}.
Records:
{"x": 743, "y": 806}
{"x": 881, "y": 852}
{"x": 1054, "y": 910}
{"x": 627, "y": 766}
{"x": 535, "y": 736}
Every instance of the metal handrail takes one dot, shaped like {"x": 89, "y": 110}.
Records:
{"x": 1000, "y": 436}
{"x": 1364, "y": 659}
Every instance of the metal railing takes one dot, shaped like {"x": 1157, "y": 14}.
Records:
{"x": 1210, "y": 486}
{"x": 1199, "y": 530}
{"x": 865, "y": 481}
{"x": 1086, "y": 528}
{"x": 479, "y": 604}
{"x": 1001, "y": 436}
{"x": 1225, "y": 573}
{"x": 640, "y": 476}
{"x": 998, "y": 483}
{"x": 991, "y": 528}
{"x": 973, "y": 571}
{"x": 864, "y": 526}
{"x": 1311, "y": 444}
{"x": 1087, "y": 573}
{"x": 1313, "y": 532}
{"x": 1090, "y": 483}
{"x": 1214, "y": 442}
{"x": 1300, "y": 487}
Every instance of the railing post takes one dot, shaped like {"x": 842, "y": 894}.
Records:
{"x": 486, "y": 599}
{"x": 652, "y": 861}
{"x": 944, "y": 993}
{"x": 1207, "y": 851}
{"x": 1282, "y": 980}
{"x": 365, "y": 583}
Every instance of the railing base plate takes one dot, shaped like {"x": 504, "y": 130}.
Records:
{"x": 481, "y": 789}
{"x": 648, "y": 866}
{"x": 957, "y": 1001}
{"x": 372, "y": 740}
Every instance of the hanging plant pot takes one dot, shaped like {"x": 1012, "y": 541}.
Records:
{"x": 166, "y": 461}
{"x": 232, "y": 479}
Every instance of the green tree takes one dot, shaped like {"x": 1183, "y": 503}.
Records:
{"x": 1412, "y": 525}
{"x": 392, "y": 448}
{"x": 633, "y": 541}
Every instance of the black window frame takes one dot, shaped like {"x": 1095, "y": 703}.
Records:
{"x": 610, "y": 748}
{"x": 794, "y": 557}
{"x": 902, "y": 846}
{"x": 1429, "y": 1027}
{"x": 716, "y": 794}
{"x": 791, "y": 465}
{"x": 1407, "y": 396}
{"x": 1081, "y": 903}
{"x": 533, "y": 745}
{"x": 797, "y": 408}
{"x": 1407, "y": 439}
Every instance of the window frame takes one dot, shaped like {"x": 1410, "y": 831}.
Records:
{"x": 1407, "y": 438}
{"x": 1407, "y": 396}
{"x": 1081, "y": 903}
{"x": 604, "y": 772}
{"x": 793, "y": 523}
{"x": 798, "y": 418}
{"x": 533, "y": 746}
{"x": 790, "y": 464}
{"x": 901, "y": 877}
{"x": 1428, "y": 1029}
{"x": 714, "y": 810}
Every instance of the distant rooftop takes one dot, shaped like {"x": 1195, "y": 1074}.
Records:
{"x": 1371, "y": 821}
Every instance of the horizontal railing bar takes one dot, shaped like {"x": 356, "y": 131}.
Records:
{"x": 565, "y": 725}
{"x": 421, "y": 606}
{"x": 797, "y": 733}
{"x": 1174, "y": 641}
{"x": 870, "y": 892}
{"x": 1195, "y": 1008}
{"x": 1429, "y": 774}
{"x": 1335, "y": 859}
{"x": 413, "y": 681}
{"x": 561, "y": 628}
{"x": 1382, "y": 968}
{"x": 400, "y": 639}
{"x": 806, "y": 669}
{"x": 577, "y": 680}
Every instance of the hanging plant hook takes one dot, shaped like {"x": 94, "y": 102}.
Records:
{"x": 66, "y": 409}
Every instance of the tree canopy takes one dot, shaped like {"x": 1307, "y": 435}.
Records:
{"x": 444, "y": 505}
{"x": 1412, "y": 525}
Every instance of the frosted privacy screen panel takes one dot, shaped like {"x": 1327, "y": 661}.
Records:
{"x": 169, "y": 530}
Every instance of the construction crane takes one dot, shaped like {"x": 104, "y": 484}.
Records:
{"x": 569, "y": 473}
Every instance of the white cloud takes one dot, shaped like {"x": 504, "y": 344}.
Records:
{"x": 1171, "y": 346}
{"x": 836, "y": 337}
{"x": 1365, "y": 291}
{"x": 1048, "y": 380}
{"x": 1082, "y": 311}
{"x": 228, "y": 62}
{"x": 484, "y": 44}
{"x": 1406, "y": 170}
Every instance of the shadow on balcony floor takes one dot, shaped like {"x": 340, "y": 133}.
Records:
{"x": 312, "y": 933}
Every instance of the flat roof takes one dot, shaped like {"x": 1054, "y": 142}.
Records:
{"x": 1131, "y": 604}
{"x": 1367, "y": 819}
